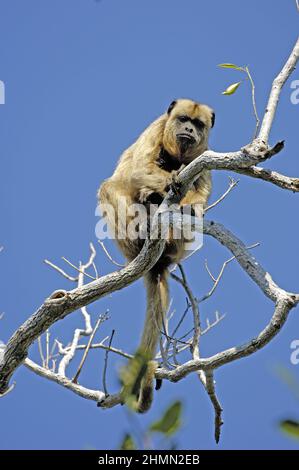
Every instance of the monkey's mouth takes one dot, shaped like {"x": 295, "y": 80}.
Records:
{"x": 186, "y": 139}
{"x": 185, "y": 142}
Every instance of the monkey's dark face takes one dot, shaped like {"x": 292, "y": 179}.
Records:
{"x": 189, "y": 133}
{"x": 187, "y": 129}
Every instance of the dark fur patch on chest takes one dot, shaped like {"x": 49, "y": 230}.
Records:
{"x": 167, "y": 162}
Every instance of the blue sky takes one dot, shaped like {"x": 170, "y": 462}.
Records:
{"x": 82, "y": 80}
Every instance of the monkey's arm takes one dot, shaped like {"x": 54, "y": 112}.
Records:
{"x": 113, "y": 189}
{"x": 200, "y": 191}
{"x": 151, "y": 180}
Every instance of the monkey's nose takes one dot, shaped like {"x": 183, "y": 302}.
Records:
{"x": 188, "y": 130}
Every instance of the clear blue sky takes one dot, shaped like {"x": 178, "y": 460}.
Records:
{"x": 82, "y": 80}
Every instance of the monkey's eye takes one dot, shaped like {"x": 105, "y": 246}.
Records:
{"x": 183, "y": 118}
{"x": 198, "y": 124}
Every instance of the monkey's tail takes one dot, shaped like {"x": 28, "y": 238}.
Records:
{"x": 157, "y": 304}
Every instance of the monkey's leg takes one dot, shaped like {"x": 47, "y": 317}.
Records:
{"x": 115, "y": 201}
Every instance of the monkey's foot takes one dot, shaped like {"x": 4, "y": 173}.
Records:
{"x": 137, "y": 379}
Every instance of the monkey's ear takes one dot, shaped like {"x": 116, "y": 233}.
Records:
{"x": 213, "y": 119}
{"x": 171, "y": 106}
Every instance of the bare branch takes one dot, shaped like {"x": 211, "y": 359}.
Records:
{"x": 101, "y": 345}
{"x": 195, "y": 311}
{"x": 70, "y": 353}
{"x": 277, "y": 85}
{"x": 218, "y": 319}
{"x": 284, "y": 182}
{"x": 83, "y": 392}
{"x": 78, "y": 269}
{"x": 8, "y": 390}
{"x": 101, "y": 319}
{"x": 95, "y": 270}
{"x": 61, "y": 271}
{"x": 206, "y": 377}
{"x": 61, "y": 303}
{"x": 218, "y": 278}
{"x": 109, "y": 256}
{"x": 284, "y": 302}
{"x": 210, "y": 388}
{"x": 106, "y": 364}
{"x": 47, "y": 349}
{"x": 232, "y": 185}
{"x": 257, "y": 119}
{"x": 41, "y": 352}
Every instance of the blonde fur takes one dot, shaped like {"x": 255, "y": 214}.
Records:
{"x": 136, "y": 178}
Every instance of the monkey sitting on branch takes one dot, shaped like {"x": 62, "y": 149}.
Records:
{"x": 144, "y": 175}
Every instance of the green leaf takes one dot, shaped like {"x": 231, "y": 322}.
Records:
{"x": 170, "y": 421}
{"x": 128, "y": 443}
{"x": 231, "y": 89}
{"x": 288, "y": 377}
{"x": 131, "y": 377}
{"x": 290, "y": 427}
{"x": 230, "y": 66}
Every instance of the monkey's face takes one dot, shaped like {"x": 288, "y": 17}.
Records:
{"x": 187, "y": 129}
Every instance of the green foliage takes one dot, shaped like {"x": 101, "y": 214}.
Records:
{"x": 231, "y": 66}
{"x": 287, "y": 376}
{"x": 232, "y": 89}
{"x": 128, "y": 443}
{"x": 290, "y": 427}
{"x": 167, "y": 425}
{"x": 170, "y": 421}
{"x": 131, "y": 377}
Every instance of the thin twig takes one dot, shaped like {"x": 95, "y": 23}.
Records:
{"x": 233, "y": 183}
{"x": 95, "y": 270}
{"x": 61, "y": 271}
{"x": 78, "y": 269}
{"x": 70, "y": 352}
{"x": 219, "y": 318}
{"x": 209, "y": 272}
{"x": 40, "y": 348}
{"x": 257, "y": 119}
{"x": 101, "y": 319}
{"x": 47, "y": 349}
{"x": 100, "y": 345}
{"x": 195, "y": 311}
{"x": 185, "y": 311}
{"x": 106, "y": 364}
{"x": 218, "y": 278}
{"x": 109, "y": 256}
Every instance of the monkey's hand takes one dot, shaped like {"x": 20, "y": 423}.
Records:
{"x": 174, "y": 184}
{"x": 148, "y": 196}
